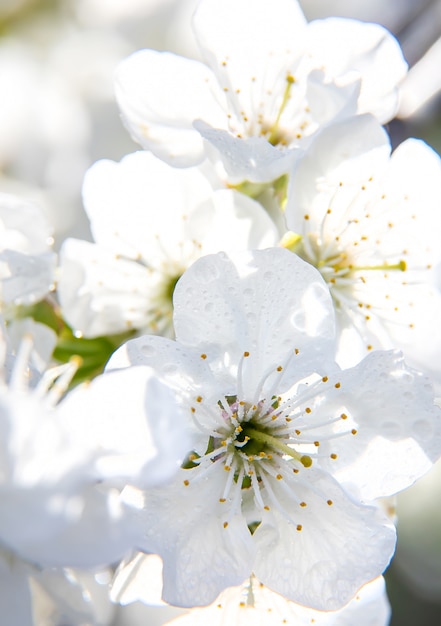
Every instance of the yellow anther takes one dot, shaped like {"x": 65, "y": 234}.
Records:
{"x": 306, "y": 460}
{"x": 290, "y": 240}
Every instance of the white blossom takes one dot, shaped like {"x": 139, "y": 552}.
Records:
{"x": 252, "y": 604}
{"x": 268, "y": 82}
{"x": 70, "y": 467}
{"x": 150, "y": 222}
{"x": 290, "y": 451}
{"x": 139, "y": 580}
{"x": 370, "y": 222}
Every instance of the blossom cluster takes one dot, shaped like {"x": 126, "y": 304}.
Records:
{"x": 212, "y": 403}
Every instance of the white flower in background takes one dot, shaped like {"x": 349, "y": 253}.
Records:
{"x": 150, "y": 222}
{"x": 69, "y": 468}
{"x": 270, "y": 80}
{"x": 252, "y": 604}
{"x": 27, "y": 263}
{"x": 371, "y": 223}
{"x": 137, "y": 587}
{"x": 289, "y": 450}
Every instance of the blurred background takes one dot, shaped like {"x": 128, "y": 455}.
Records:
{"x": 58, "y": 115}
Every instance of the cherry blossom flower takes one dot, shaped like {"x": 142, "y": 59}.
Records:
{"x": 150, "y": 222}
{"x": 139, "y": 580}
{"x": 290, "y": 451}
{"x": 252, "y": 604}
{"x": 370, "y": 222}
{"x": 268, "y": 82}
{"x": 70, "y": 468}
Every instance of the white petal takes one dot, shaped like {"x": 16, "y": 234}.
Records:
{"x": 135, "y": 423}
{"x": 99, "y": 293}
{"x": 348, "y": 152}
{"x": 265, "y": 303}
{"x": 397, "y": 427}
{"x": 201, "y": 555}
{"x": 98, "y": 529}
{"x": 253, "y": 604}
{"x": 183, "y": 369}
{"x": 138, "y": 207}
{"x": 23, "y": 226}
{"x": 26, "y": 279}
{"x": 329, "y": 102}
{"x": 347, "y": 47}
{"x": 325, "y": 551}
{"x": 253, "y": 158}
{"x": 252, "y": 53}
{"x": 230, "y": 221}
{"x": 160, "y": 94}
{"x": 139, "y": 578}
{"x": 370, "y": 607}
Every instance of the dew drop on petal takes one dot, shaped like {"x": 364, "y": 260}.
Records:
{"x": 390, "y": 429}
{"x": 422, "y": 429}
{"x": 148, "y": 351}
{"x": 298, "y": 321}
{"x": 206, "y": 272}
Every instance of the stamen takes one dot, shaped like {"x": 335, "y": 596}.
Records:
{"x": 55, "y": 382}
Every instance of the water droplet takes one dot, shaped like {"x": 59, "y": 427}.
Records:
{"x": 148, "y": 351}
{"x": 206, "y": 271}
{"x": 422, "y": 429}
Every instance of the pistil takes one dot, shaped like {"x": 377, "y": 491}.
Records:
{"x": 274, "y": 137}
{"x": 273, "y": 442}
